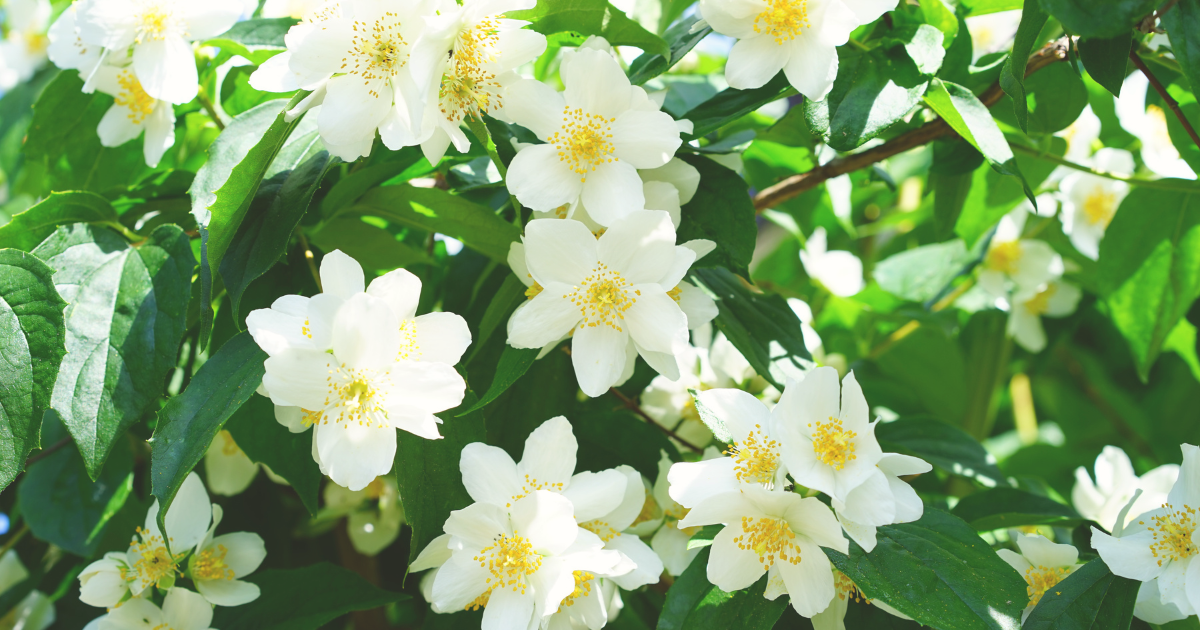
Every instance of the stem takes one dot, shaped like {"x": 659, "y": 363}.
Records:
{"x": 210, "y": 108}
{"x": 46, "y": 452}
{"x": 1162, "y": 91}
{"x": 16, "y": 538}
{"x": 632, "y": 405}
{"x": 1161, "y": 184}
{"x": 310, "y": 259}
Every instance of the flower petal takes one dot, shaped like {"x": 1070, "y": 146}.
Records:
{"x": 655, "y": 321}
{"x": 166, "y": 69}
{"x": 507, "y": 609}
{"x": 442, "y": 337}
{"x": 549, "y": 455}
{"x": 641, "y": 246}
{"x": 541, "y": 180}
{"x": 740, "y": 411}
{"x": 353, "y": 455}
{"x": 545, "y": 319}
{"x": 645, "y": 139}
{"x": 546, "y": 520}
{"x": 754, "y": 61}
{"x": 185, "y": 610}
{"x": 612, "y": 191}
{"x": 594, "y": 82}
{"x": 341, "y": 275}
{"x": 559, "y": 251}
{"x": 810, "y": 581}
{"x": 732, "y": 568}
{"x": 400, "y": 289}
{"x": 598, "y": 356}
{"x": 596, "y": 494}
{"x": 366, "y": 333}
{"x": 489, "y": 474}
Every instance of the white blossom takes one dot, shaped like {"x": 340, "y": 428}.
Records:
{"x": 227, "y": 468}
{"x": 839, "y": 271}
{"x": 35, "y": 611}
{"x": 1015, "y": 263}
{"x": 1115, "y": 485}
{"x": 1042, "y": 563}
{"x": 882, "y": 499}
{"x": 1148, "y": 122}
{"x": 66, "y": 49}
{"x": 181, "y": 610}
{"x": 133, "y": 112}
{"x": 23, "y": 50}
{"x": 218, "y": 564}
{"x": 1029, "y": 306}
{"x": 1091, "y": 201}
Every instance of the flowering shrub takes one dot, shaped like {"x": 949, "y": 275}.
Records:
{"x": 566, "y": 314}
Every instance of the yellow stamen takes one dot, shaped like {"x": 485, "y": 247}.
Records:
{"x": 583, "y": 587}
{"x": 209, "y": 564}
{"x": 584, "y": 142}
{"x": 134, "y": 98}
{"x": 1004, "y": 257}
{"x": 603, "y": 297}
{"x": 1041, "y": 579}
{"x": 468, "y": 87}
{"x": 1040, "y": 303}
{"x": 756, "y": 458}
{"x": 833, "y": 444}
{"x": 510, "y": 561}
{"x": 1173, "y": 534}
{"x": 783, "y": 20}
{"x": 1099, "y": 207}
{"x": 377, "y": 51}
{"x": 770, "y": 538}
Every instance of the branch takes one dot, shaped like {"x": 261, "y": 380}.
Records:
{"x": 210, "y": 109}
{"x": 47, "y": 451}
{"x": 1162, "y": 91}
{"x": 803, "y": 182}
{"x": 1161, "y": 184}
{"x": 632, "y": 405}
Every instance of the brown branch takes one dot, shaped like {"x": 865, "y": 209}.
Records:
{"x": 803, "y": 182}
{"x": 46, "y": 452}
{"x": 632, "y": 405}
{"x": 1162, "y": 91}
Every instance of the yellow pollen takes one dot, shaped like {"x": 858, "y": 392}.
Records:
{"x": 584, "y": 142}
{"x": 469, "y": 87}
{"x": 155, "y": 561}
{"x": 756, "y": 459}
{"x": 133, "y": 97}
{"x": 1004, "y": 257}
{"x": 603, "y": 298}
{"x": 228, "y": 447}
{"x": 377, "y": 51}
{"x": 510, "y": 560}
{"x": 155, "y": 21}
{"x": 1040, "y": 303}
{"x": 479, "y": 602}
{"x": 783, "y": 20}
{"x": 532, "y": 485}
{"x": 36, "y": 43}
{"x": 675, "y": 293}
{"x": 770, "y": 538}
{"x": 847, "y": 589}
{"x": 1099, "y": 207}
{"x": 647, "y": 513}
{"x": 561, "y": 211}
{"x": 354, "y": 395}
{"x": 306, "y": 329}
{"x": 601, "y": 529}
{"x": 210, "y": 565}
{"x": 311, "y": 417}
{"x": 833, "y": 444}
{"x": 1041, "y": 579}
{"x": 1173, "y": 534}
{"x": 583, "y": 587}
{"x": 409, "y": 349}
{"x": 533, "y": 291}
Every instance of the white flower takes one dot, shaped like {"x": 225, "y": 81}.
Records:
{"x": 278, "y": 74}
{"x": 670, "y": 541}
{"x": 520, "y": 563}
{"x": 465, "y": 59}
{"x": 1090, "y": 201}
{"x": 613, "y": 292}
{"x": 1164, "y": 542}
{"x": 839, "y": 271}
{"x": 134, "y": 111}
{"x": 159, "y": 32}
{"x": 1043, "y": 563}
{"x": 374, "y": 515}
{"x": 777, "y": 533}
{"x": 154, "y": 560}
{"x": 1115, "y": 485}
{"x": 23, "y": 50}
{"x": 593, "y": 604}
{"x": 35, "y": 611}
{"x": 390, "y": 370}
{"x": 1053, "y": 299}
{"x": 799, "y": 37}
{"x": 227, "y": 468}
{"x": 669, "y": 402}
{"x": 883, "y": 499}
{"x": 66, "y": 49}
{"x": 993, "y": 32}
{"x": 1080, "y": 135}
{"x": 1014, "y": 263}
{"x": 181, "y": 610}
{"x": 103, "y": 583}
{"x": 218, "y": 564}
{"x": 1151, "y": 608}
{"x": 1149, "y": 124}
{"x": 299, "y": 9}
{"x": 828, "y": 441}
{"x": 598, "y": 132}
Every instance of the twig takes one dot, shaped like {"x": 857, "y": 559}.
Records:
{"x": 1161, "y": 184}
{"x": 802, "y": 182}
{"x": 16, "y": 538}
{"x": 632, "y": 405}
{"x": 1162, "y": 91}
{"x": 207, "y": 103}
{"x": 310, "y": 259}
{"x": 47, "y": 451}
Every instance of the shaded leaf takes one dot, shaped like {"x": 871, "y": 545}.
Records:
{"x": 256, "y": 33}
{"x": 265, "y": 441}
{"x": 920, "y": 274}
{"x": 694, "y": 604}
{"x": 372, "y": 246}
{"x": 730, "y": 104}
{"x": 1107, "y": 59}
{"x": 1091, "y": 598}
{"x": 31, "y": 227}
{"x": 1182, "y": 23}
{"x": 873, "y": 91}
{"x": 942, "y": 445}
{"x": 514, "y": 363}
{"x": 611, "y": 438}
{"x": 1009, "y": 507}
{"x": 303, "y": 599}
{"x": 1012, "y": 76}
{"x": 723, "y": 213}
{"x": 681, "y": 40}
{"x": 1098, "y": 18}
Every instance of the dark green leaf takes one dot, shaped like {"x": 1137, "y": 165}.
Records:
{"x": 126, "y": 319}
{"x": 591, "y": 17}
{"x": 762, "y": 327}
{"x": 510, "y": 294}
{"x": 58, "y": 500}
{"x": 1012, "y": 76}
{"x": 1091, "y": 598}
{"x": 31, "y": 227}
{"x": 681, "y": 40}
{"x": 188, "y": 422}
{"x": 942, "y": 445}
{"x": 438, "y": 211}
{"x": 256, "y": 33}
{"x": 926, "y": 372}
{"x": 372, "y": 246}
{"x": 514, "y": 363}
{"x": 687, "y": 591}
{"x": 349, "y": 188}
{"x": 1107, "y": 59}
{"x": 1149, "y": 268}
{"x": 1056, "y": 96}
{"x": 721, "y": 212}
{"x": 60, "y": 113}
{"x": 694, "y": 604}
{"x": 730, "y": 104}
{"x": 31, "y": 342}
{"x": 1098, "y": 18}
{"x": 1183, "y": 27}
{"x": 920, "y": 274}
{"x": 940, "y": 573}
{"x": 428, "y": 476}
{"x": 287, "y": 454}
{"x": 1009, "y": 507}
{"x": 303, "y": 599}
{"x": 611, "y": 438}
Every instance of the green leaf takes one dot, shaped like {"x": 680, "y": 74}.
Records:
{"x": 1012, "y": 76}
{"x": 428, "y": 476}
{"x": 289, "y": 455}
{"x": 959, "y": 107}
{"x": 303, "y": 599}
{"x": 715, "y": 424}
{"x": 991, "y": 194}
{"x": 1106, "y": 59}
{"x": 940, "y": 573}
{"x": 58, "y": 500}
{"x": 372, "y": 246}
{"x": 224, "y": 187}
{"x": 610, "y": 438}
{"x": 730, "y": 104}
{"x": 1182, "y": 23}
{"x": 920, "y": 274}
{"x": 1009, "y": 507}
{"x": 762, "y": 327}
{"x": 126, "y": 319}
{"x": 514, "y": 363}
{"x": 438, "y": 211}
{"x": 1091, "y": 598}
{"x": 873, "y": 91}
{"x": 935, "y": 14}
{"x": 694, "y": 604}
{"x": 1098, "y": 18}
{"x": 942, "y": 445}
{"x": 188, "y": 422}
{"x": 984, "y": 7}
{"x": 722, "y": 212}
{"x": 682, "y": 40}
{"x": 31, "y": 227}
{"x": 1056, "y": 96}
{"x": 31, "y": 342}
{"x": 510, "y": 295}
{"x": 255, "y": 33}
{"x": 925, "y": 372}
{"x": 591, "y": 17}
{"x": 1149, "y": 268}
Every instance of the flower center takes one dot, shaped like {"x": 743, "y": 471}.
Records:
{"x": 675, "y": 293}
{"x": 769, "y": 538}
{"x": 1040, "y": 303}
{"x": 584, "y": 142}
{"x": 468, "y": 88}
{"x": 533, "y": 485}
{"x": 833, "y": 444}
{"x": 647, "y": 513}
{"x": 210, "y": 565}
{"x": 603, "y": 298}
{"x": 1041, "y": 579}
{"x": 1004, "y": 257}
{"x": 846, "y": 588}
{"x": 409, "y": 349}
{"x": 155, "y": 561}
{"x": 377, "y": 51}
{"x": 354, "y": 395}
{"x": 155, "y": 21}
{"x": 533, "y": 290}
{"x": 36, "y": 43}
{"x": 510, "y": 560}
{"x": 756, "y": 459}
{"x": 783, "y": 20}
{"x": 601, "y": 529}
{"x": 134, "y": 98}
{"x": 583, "y": 587}
{"x": 1173, "y": 534}
{"x": 311, "y": 417}
{"x": 1099, "y": 207}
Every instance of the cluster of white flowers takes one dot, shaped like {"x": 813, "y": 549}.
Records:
{"x": 355, "y": 363}
{"x": 127, "y": 583}
{"x": 24, "y": 43}
{"x": 542, "y": 546}
{"x": 820, "y": 436}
